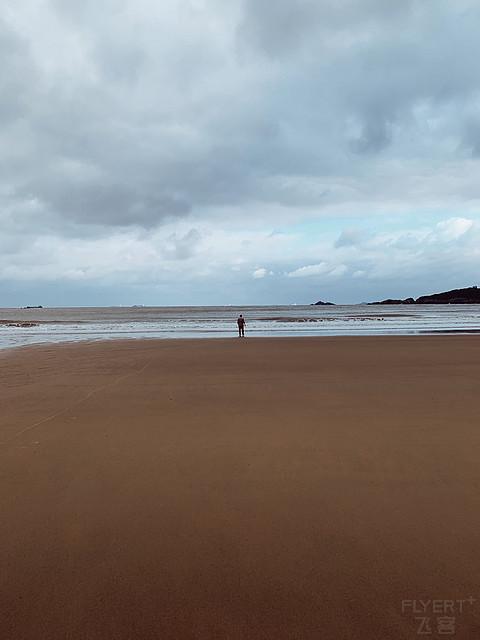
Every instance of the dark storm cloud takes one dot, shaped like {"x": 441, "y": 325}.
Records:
{"x": 133, "y": 113}
{"x": 103, "y": 202}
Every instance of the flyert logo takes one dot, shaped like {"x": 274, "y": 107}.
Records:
{"x": 436, "y": 616}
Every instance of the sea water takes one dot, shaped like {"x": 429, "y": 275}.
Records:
{"x": 89, "y": 323}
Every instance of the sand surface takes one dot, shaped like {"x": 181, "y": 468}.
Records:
{"x": 240, "y": 489}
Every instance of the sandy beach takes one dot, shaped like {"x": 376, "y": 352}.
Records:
{"x": 310, "y": 488}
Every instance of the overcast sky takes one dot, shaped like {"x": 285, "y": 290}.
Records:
{"x": 238, "y": 151}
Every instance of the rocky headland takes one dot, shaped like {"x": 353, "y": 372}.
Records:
{"x": 468, "y": 295}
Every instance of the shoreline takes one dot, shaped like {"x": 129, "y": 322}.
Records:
{"x": 353, "y": 336}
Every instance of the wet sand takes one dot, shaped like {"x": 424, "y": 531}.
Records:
{"x": 240, "y": 489}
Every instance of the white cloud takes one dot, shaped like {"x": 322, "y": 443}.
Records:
{"x": 320, "y": 269}
{"x": 454, "y": 228}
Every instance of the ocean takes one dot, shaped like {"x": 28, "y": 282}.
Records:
{"x": 89, "y": 323}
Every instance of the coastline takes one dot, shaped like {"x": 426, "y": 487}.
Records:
{"x": 78, "y": 324}
{"x": 8, "y": 348}
{"x": 266, "y": 487}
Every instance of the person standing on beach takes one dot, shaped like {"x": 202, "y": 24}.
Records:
{"x": 241, "y": 326}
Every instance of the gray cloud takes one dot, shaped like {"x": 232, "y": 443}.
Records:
{"x": 182, "y": 247}
{"x": 277, "y": 28}
{"x": 129, "y": 115}
{"x": 146, "y": 146}
{"x": 350, "y": 238}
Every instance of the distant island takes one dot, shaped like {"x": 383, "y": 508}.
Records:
{"x": 320, "y": 302}
{"x": 469, "y": 295}
{"x": 38, "y": 306}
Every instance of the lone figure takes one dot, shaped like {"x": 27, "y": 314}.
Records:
{"x": 241, "y": 326}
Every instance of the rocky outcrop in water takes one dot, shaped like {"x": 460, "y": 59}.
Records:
{"x": 393, "y": 301}
{"x": 7, "y": 323}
